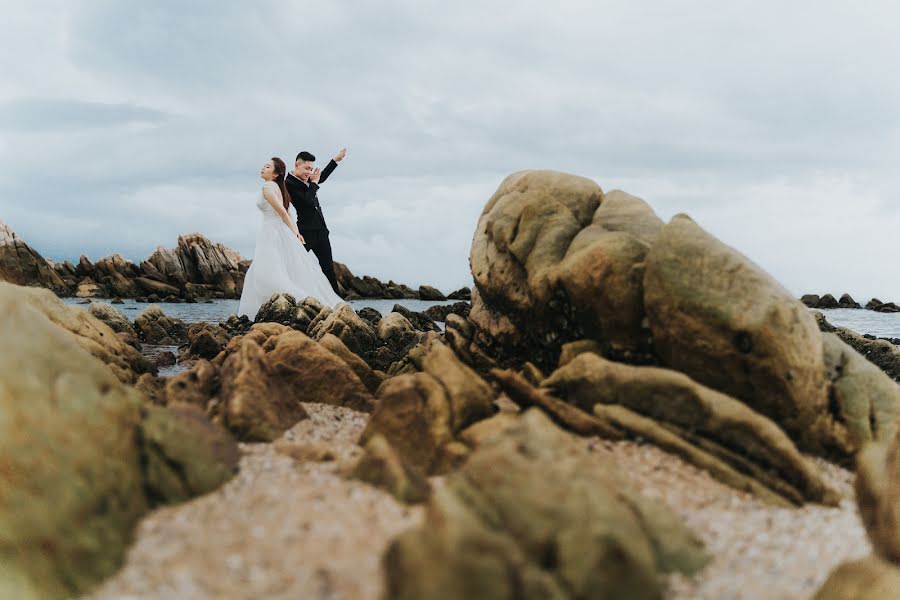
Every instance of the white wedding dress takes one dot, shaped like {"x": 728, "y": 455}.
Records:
{"x": 281, "y": 264}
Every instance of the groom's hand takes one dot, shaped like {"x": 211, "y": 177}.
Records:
{"x": 340, "y": 155}
{"x": 317, "y": 172}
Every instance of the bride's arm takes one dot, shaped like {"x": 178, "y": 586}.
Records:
{"x": 279, "y": 208}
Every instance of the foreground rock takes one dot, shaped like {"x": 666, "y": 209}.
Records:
{"x": 89, "y": 333}
{"x": 256, "y": 384}
{"x": 878, "y": 497}
{"x": 420, "y": 414}
{"x": 83, "y": 460}
{"x": 718, "y": 428}
{"x": 532, "y": 515}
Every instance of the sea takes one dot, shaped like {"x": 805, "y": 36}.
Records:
{"x": 883, "y": 325}
{"x": 217, "y": 311}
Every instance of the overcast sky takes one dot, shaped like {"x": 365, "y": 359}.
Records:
{"x": 776, "y": 125}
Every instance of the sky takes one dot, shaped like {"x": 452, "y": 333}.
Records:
{"x": 775, "y": 125}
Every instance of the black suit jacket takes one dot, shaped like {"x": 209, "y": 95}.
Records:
{"x": 306, "y": 202}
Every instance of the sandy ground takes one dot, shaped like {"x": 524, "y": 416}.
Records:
{"x": 286, "y": 528}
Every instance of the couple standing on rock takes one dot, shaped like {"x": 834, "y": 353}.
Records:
{"x": 292, "y": 225}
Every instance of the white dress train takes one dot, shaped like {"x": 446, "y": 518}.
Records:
{"x": 281, "y": 264}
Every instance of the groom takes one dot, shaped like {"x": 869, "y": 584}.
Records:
{"x": 302, "y": 185}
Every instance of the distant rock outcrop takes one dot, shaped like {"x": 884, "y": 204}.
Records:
{"x": 195, "y": 269}
{"x": 22, "y": 265}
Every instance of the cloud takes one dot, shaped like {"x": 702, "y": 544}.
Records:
{"x": 123, "y": 126}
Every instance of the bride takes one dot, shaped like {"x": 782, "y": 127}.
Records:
{"x": 281, "y": 264}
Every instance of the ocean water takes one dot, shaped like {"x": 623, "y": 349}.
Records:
{"x": 886, "y": 325}
{"x": 861, "y": 321}
{"x": 219, "y": 310}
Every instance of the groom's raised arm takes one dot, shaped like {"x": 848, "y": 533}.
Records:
{"x": 332, "y": 165}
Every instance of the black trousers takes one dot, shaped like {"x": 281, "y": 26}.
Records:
{"x": 317, "y": 241}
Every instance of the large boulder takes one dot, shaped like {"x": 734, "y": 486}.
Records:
{"x": 89, "y": 332}
{"x": 21, "y": 265}
{"x": 554, "y": 259}
{"x": 532, "y": 514}
{"x": 727, "y": 324}
{"x": 83, "y": 458}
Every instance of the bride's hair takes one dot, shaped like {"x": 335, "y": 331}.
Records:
{"x": 280, "y": 171}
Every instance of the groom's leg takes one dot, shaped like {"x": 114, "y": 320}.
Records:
{"x": 322, "y": 249}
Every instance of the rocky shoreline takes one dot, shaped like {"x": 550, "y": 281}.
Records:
{"x": 195, "y": 269}
{"x": 628, "y": 408}
{"x": 847, "y": 301}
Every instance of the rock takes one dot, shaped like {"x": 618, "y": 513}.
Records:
{"x": 90, "y": 333}
{"x": 305, "y": 313}
{"x": 300, "y": 364}
{"x": 304, "y": 451}
{"x": 728, "y": 325}
{"x": 346, "y": 325}
{"x": 21, "y": 265}
{"x": 396, "y": 332}
{"x": 371, "y": 379}
{"x": 117, "y": 301}
{"x": 82, "y": 500}
{"x": 847, "y": 301}
{"x": 207, "y": 340}
{"x": 554, "y": 259}
{"x": 200, "y": 266}
{"x": 413, "y": 414}
{"x": 827, "y": 301}
{"x": 878, "y": 497}
{"x": 165, "y": 359}
{"x": 153, "y": 327}
{"x": 810, "y": 300}
{"x": 255, "y": 406}
{"x": 279, "y": 308}
{"x": 462, "y": 293}
{"x": 866, "y": 579}
{"x": 381, "y": 466}
{"x": 719, "y": 424}
{"x": 426, "y": 292}
{"x": 420, "y": 321}
{"x": 88, "y": 289}
{"x": 874, "y": 304}
{"x": 420, "y": 413}
{"x": 883, "y": 353}
{"x": 440, "y": 313}
{"x": 152, "y": 286}
{"x": 863, "y": 401}
{"x": 197, "y": 386}
{"x": 534, "y": 515}
{"x": 113, "y": 318}
{"x": 184, "y": 454}
{"x": 371, "y": 315}
{"x": 151, "y": 387}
